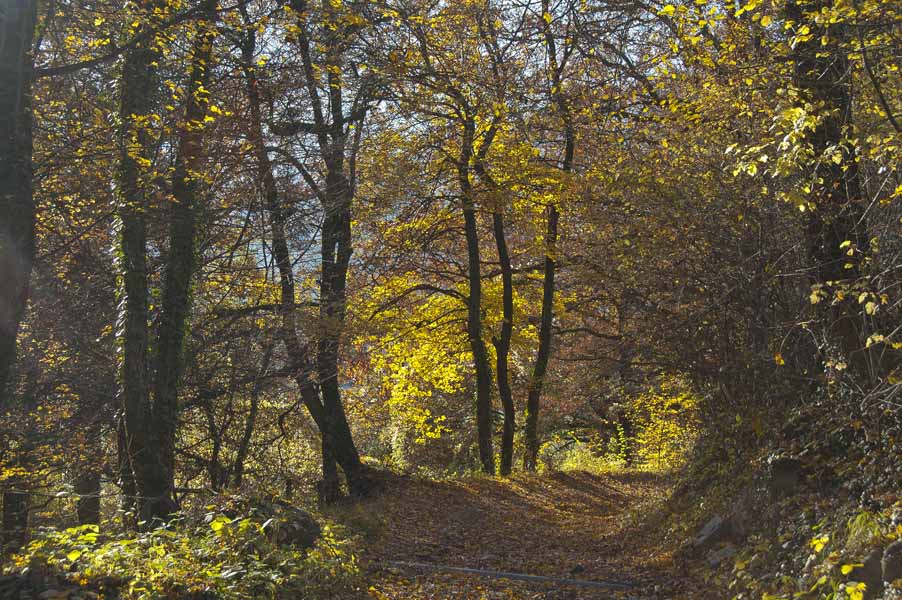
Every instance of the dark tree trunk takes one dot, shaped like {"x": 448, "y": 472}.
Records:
{"x": 540, "y": 368}
{"x": 503, "y": 344}
{"x": 824, "y": 79}
{"x": 180, "y": 265}
{"x": 87, "y": 487}
{"x": 151, "y": 425}
{"x": 336, "y": 252}
{"x": 126, "y": 476}
{"x": 88, "y": 471}
{"x": 216, "y": 472}
{"x": 250, "y": 422}
{"x": 137, "y": 98}
{"x": 626, "y": 352}
{"x": 297, "y": 351}
{"x": 322, "y": 401}
{"x": 336, "y": 257}
{"x": 474, "y": 305}
{"x": 17, "y": 216}
{"x": 15, "y": 519}
{"x": 330, "y": 125}
{"x": 17, "y": 210}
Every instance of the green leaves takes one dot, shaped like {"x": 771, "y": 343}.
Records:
{"x": 231, "y": 559}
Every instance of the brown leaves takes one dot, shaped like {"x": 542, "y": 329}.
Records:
{"x": 563, "y": 525}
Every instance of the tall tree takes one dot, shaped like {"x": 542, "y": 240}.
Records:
{"x": 837, "y": 229}
{"x": 324, "y": 34}
{"x": 150, "y": 399}
{"x": 17, "y": 212}
{"x": 555, "y": 65}
{"x": 298, "y": 351}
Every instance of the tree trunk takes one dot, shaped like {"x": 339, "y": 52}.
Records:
{"x": 126, "y": 477}
{"x": 502, "y": 346}
{"x": 540, "y": 368}
{"x": 87, "y": 475}
{"x": 87, "y": 487}
{"x": 336, "y": 257}
{"x": 17, "y": 217}
{"x": 326, "y": 410}
{"x": 17, "y": 210}
{"x": 180, "y": 263}
{"x": 151, "y": 426}
{"x": 626, "y": 351}
{"x": 823, "y": 77}
{"x": 250, "y": 421}
{"x": 474, "y": 305}
{"x": 15, "y": 519}
{"x": 137, "y": 99}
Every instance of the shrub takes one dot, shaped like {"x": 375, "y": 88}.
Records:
{"x": 219, "y": 557}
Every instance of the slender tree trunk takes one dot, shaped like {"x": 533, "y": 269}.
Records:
{"x": 626, "y": 362}
{"x": 215, "y": 470}
{"x": 323, "y": 401}
{"x": 15, "y": 518}
{"x": 17, "y": 216}
{"x": 336, "y": 250}
{"x": 277, "y": 218}
{"x": 87, "y": 476}
{"x": 250, "y": 421}
{"x": 474, "y": 305}
{"x": 336, "y": 257}
{"x": 503, "y": 344}
{"x": 87, "y": 487}
{"x": 540, "y": 368}
{"x": 822, "y": 74}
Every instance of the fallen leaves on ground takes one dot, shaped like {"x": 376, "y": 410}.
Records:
{"x": 573, "y": 525}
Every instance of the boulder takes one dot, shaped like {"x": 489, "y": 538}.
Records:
{"x": 295, "y": 527}
{"x": 288, "y": 524}
{"x": 891, "y": 562}
{"x": 716, "y": 557}
{"x": 871, "y": 574}
{"x": 715, "y": 530}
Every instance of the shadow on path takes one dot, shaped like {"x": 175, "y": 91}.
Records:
{"x": 572, "y": 525}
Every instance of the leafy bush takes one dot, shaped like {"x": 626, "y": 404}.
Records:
{"x": 582, "y": 456}
{"x": 219, "y": 557}
{"x": 667, "y": 424}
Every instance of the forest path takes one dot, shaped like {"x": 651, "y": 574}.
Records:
{"x": 572, "y": 525}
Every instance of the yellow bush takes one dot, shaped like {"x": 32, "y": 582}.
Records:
{"x": 666, "y": 424}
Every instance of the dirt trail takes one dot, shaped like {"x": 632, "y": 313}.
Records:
{"x": 563, "y": 525}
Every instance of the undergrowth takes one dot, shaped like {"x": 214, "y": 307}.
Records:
{"x": 214, "y": 557}
{"x": 808, "y": 539}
